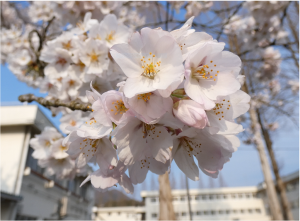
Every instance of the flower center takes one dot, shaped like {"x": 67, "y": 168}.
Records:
{"x": 67, "y": 45}
{"x": 80, "y": 65}
{"x": 61, "y": 61}
{"x": 219, "y": 109}
{"x": 71, "y": 82}
{"x": 110, "y": 36}
{"x": 62, "y": 148}
{"x": 191, "y": 146}
{"x": 89, "y": 146}
{"x": 145, "y": 163}
{"x": 47, "y": 143}
{"x": 80, "y": 25}
{"x": 205, "y": 72}
{"x": 149, "y": 131}
{"x": 98, "y": 37}
{"x": 93, "y": 56}
{"x": 73, "y": 123}
{"x": 119, "y": 107}
{"x": 145, "y": 97}
{"x": 150, "y": 66}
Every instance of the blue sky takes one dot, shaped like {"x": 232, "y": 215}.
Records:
{"x": 244, "y": 169}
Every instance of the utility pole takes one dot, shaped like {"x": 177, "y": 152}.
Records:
{"x": 188, "y": 197}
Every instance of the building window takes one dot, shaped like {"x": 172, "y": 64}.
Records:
{"x": 198, "y": 213}
{"x": 154, "y": 215}
{"x": 225, "y": 196}
{"x": 221, "y": 211}
{"x": 211, "y": 197}
{"x": 240, "y": 195}
{"x": 233, "y": 196}
{"x": 248, "y": 196}
{"x": 182, "y": 198}
{"x": 176, "y": 214}
{"x": 219, "y": 196}
{"x": 213, "y": 212}
{"x": 203, "y": 197}
{"x": 205, "y": 212}
{"x": 153, "y": 200}
{"x": 234, "y": 211}
{"x": 289, "y": 187}
{"x": 227, "y": 211}
{"x": 250, "y": 210}
{"x": 197, "y": 198}
{"x": 183, "y": 214}
{"x": 296, "y": 203}
{"x": 258, "y": 210}
{"x": 242, "y": 211}
{"x": 33, "y": 163}
{"x": 108, "y": 214}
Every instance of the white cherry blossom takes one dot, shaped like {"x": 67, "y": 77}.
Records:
{"x": 211, "y": 151}
{"x": 42, "y": 144}
{"x": 211, "y": 73}
{"x": 94, "y": 56}
{"x": 136, "y": 140}
{"x": 151, "y": 60}
{"x": 110, "y": 31}
{"x": 149, "y": 106}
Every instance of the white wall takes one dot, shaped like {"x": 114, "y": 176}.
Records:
{"x": 12, "y": 138}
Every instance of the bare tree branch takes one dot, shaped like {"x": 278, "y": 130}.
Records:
{"x": 55, "y": 102}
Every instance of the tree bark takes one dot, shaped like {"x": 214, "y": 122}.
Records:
{"x": 270, "y": 189}
{"x": 166, "y": 209}
{"x": 280, "y": 185}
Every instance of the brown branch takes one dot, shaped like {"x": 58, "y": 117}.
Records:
{"x": 73, "y": 105}
{"x": 280, "y": 185}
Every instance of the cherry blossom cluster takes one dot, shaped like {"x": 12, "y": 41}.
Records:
{"x": 50, "y": 153}
{"x": 178, "y": 102}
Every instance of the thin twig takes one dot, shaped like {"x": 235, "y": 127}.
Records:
{"x": 228, "y": 20}
{"x": 167, "y": 16}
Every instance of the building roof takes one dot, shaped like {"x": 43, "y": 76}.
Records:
{"x": 9, "y": 196}
{"x": 285, "y": 179}
{"x": 24, "y": 115}
{"x": 204, "y": 191}
{"x": 135, "y": 209}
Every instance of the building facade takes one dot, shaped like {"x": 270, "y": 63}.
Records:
{"x": 291, "y": 182}
{"x": 230, "y": 203}
{"x": 26, "y": 192}
{"x": 128, "y": 213}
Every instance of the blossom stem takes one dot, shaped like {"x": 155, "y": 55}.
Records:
{"x": 177, "y": 95}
